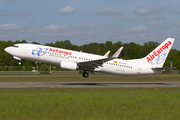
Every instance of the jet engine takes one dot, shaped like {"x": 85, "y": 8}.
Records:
{"x": 68, "y": 65}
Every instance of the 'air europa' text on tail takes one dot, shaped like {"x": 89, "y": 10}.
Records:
{"x": 159, "y": 51}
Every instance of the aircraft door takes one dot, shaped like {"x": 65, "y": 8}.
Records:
{"x": 25, "y": 49}
{"x": 139, "y": 69}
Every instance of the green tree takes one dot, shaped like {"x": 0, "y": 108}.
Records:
{"x": 23, "y": 41}
{"x": 35, "y": 43}
{"x": 176, "y": 60}
{"x": 44, "y": 69}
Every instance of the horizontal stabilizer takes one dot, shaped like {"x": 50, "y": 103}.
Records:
{"x": 162, "y": 68}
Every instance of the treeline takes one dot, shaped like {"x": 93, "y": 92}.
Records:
{"x": 130, "y": 51}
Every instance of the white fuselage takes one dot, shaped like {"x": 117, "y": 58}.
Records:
{"x": 52, "y": 55}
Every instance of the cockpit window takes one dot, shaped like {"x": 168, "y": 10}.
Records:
{"x": 15, "y": 46}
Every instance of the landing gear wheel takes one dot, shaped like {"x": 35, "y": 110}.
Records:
{"x": 85, "y": 74}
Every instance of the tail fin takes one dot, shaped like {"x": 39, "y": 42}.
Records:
{"x": 118, "y": 52}
{"x": 158, "y": 56}
{"x": 106, "y": 55}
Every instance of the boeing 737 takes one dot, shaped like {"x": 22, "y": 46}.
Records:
{"x": 74, "y": 60}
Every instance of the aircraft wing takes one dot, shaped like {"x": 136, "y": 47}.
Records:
{"x": 91, "y": 65}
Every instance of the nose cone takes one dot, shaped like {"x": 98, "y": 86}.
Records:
{"x": 8, "y": 49}
{"x": 5, "y": 49}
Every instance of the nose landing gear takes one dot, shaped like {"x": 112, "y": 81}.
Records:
{"x": 19, "y": 62}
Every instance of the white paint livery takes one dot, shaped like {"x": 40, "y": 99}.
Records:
{"x": 74, "y": 60}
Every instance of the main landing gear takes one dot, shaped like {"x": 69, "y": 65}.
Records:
{"x": 85, "y": 74}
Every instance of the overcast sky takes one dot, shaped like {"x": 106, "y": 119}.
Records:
{"x": 87, "y": 21}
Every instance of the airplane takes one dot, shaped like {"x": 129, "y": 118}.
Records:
{"x": 74, "y": 60}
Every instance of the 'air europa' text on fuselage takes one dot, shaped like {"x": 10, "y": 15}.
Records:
{"x": 159, "y": 51}
{"x": 59, "y": 51}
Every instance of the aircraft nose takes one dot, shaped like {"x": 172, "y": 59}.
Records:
{"x": 8, "y": 49}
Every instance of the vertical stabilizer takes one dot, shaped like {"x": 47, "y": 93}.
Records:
{"x": 158, "y": 56}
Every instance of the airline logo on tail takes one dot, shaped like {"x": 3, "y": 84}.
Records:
{"x": 158, "y": 52}
{"x": 160, "y": 59}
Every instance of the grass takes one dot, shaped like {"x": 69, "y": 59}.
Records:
{"x": 90, "y": 103}
{"x": 92, "y": 78}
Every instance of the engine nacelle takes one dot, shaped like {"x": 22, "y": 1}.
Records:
{"x": 68, "y": 65}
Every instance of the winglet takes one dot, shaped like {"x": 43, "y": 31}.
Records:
{"x": 106, "y": 55}
{"x": 118, "y": 52}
